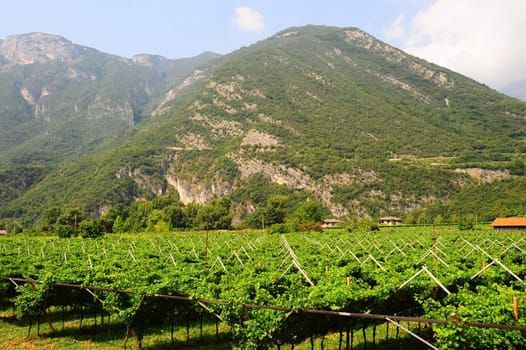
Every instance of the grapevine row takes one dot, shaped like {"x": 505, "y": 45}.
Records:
{"x": 332, "y": 272}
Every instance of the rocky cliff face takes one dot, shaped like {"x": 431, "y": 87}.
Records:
{"x": 53, "y": 88}
{"x": 43, "y": 48}
{"x": 39, "y": 48}
{"x": 306, "y": 107}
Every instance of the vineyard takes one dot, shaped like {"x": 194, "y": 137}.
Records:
{"x": 467, "y": 289}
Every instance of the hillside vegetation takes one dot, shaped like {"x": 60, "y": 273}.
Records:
{"x": 332, "y": 113}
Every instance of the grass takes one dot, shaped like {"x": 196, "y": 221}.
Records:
{"x": 92, "y": 336}
{"x": 14, "y": 335}
{"x": 385, "y": 338}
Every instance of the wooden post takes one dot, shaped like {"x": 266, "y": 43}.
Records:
{"x": 29, "y": 329}
{"x": 348, "y": 281}
{"x": 206, "y": 244}
{"x": 137, "y": 337}
{"x": 245, "y": 313}
{"x": 515, "y": 309}
{"x": 171, "y": 330}
{"x": 201, "y": 327}
{"x": 187, "y": 329}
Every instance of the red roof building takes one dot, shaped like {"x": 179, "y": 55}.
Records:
{"x": 500, "y": 224}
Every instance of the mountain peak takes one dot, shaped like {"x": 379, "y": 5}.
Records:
{"x": 38, "y": 48}
{"x": 150, "y": 60}
{"x": 316, "y": 31}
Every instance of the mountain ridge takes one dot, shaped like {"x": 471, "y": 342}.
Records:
{"x": 331, "y": 112}
{"x": 45, "y": 47}
{"x": 38, "y": 47}
{"x": 52, "y": 87}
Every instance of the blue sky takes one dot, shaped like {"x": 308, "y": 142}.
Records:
{"x": 480, "y": 38}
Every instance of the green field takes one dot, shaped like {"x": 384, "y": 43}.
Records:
{"x": 95, "y": 292}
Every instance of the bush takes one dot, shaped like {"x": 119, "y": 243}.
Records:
{"x": 90, "y": 229}
{"x": 465, "y": 226}
{"x": 63, "y": 231}
{"x": 374, "y": 227}
{"x": 279, "y": 228}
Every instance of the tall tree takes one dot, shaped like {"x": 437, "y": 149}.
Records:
{"x": 309, "y": 215}
{"x": 215, "y": 214}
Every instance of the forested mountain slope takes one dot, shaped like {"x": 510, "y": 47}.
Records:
{"x": 332, "y": 113}
{"x": 60, "y": 99}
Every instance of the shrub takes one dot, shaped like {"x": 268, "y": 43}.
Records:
{"x": 63, "y": 231}
{"x": 279, "y": 228}
{"x": 90, "y": 229}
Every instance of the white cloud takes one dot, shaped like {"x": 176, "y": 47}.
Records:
{"x": 396, "y": 29}
{"x": 483, "y": 39}
{"x": 248, "y": 19}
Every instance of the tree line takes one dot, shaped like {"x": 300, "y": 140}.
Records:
{"x": 167, "y": 213}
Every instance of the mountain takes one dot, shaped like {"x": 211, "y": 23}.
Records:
{"x": 329, "y": 113}
{"x": 60, "y": 99}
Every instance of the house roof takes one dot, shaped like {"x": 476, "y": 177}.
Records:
{"x": 509, "y": 222}
{"x": 332, "y": 221}
{"x": 392, "y": 218}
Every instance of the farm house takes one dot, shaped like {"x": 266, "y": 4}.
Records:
{"x": 331, "y": 223}
{"x": 390, "y": 220}
{"x": 513, "y": 223}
